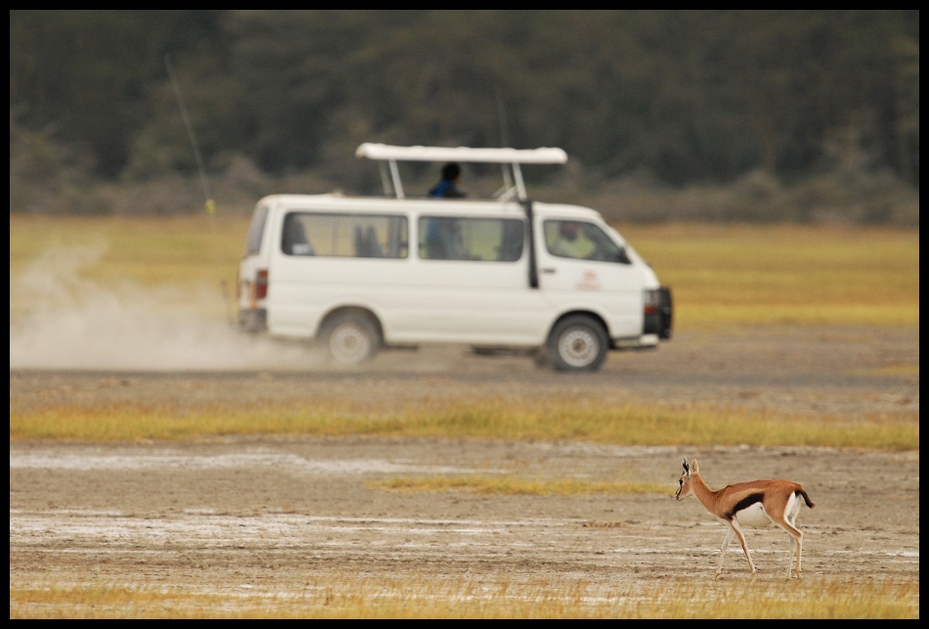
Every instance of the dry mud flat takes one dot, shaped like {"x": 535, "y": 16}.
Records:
{"x": 280, "y": 515}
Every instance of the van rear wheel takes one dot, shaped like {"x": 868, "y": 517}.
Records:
{"x": 578, "y": 343}
{"x": 350, "y": 339}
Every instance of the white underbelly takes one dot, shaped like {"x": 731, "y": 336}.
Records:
{"x": 753, "y": 516}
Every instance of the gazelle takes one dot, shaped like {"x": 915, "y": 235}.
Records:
{"x": 755, "y": 503}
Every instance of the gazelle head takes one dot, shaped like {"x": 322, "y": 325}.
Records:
{"x": 685, "y": 485}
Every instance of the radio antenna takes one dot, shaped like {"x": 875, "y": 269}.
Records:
{"x": 207, "y": 192}
{"x": 210, "y": 204}
{"x": 501, "y": 116}
{"x": 504, "y": 137}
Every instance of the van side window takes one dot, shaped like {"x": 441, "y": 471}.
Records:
{"x": 582, "y": 241}
{"x": 345, "y": 235}
{"x": 459, "y": 238}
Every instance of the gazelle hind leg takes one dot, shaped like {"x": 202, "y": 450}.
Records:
{"x": 796, "y": 542}
{"x": 799, "y": 541}
{"x": 795, "y": 534}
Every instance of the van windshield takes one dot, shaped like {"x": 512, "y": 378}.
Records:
{"x": 582, "y": 240}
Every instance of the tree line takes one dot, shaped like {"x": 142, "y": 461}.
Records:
{"x": 678, "y": 97}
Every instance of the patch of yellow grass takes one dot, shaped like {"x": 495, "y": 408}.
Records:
{"x": 487, "y": 485}
{"x": 145, "y": 250}
{"x": 358, "y": 596}
{"x": 545, "y": 419}
{"x": 762, "y": 274}
{"x": 721, "y": 274}
{"x": 894, "y": 370}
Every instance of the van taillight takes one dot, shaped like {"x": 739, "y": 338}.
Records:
{"x": 261, "y": 284}
{"x": 651, "y": 301}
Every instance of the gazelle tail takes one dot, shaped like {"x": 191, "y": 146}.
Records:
{"x": 806, "y": 497}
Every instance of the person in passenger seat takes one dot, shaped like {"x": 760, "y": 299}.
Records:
{"x": 448, "y": 186}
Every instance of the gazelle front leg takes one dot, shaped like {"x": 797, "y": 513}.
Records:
{"x": 736, "y": 528}
{"x": 722, "y": 553}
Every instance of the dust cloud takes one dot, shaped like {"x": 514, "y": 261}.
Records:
{"x": 60, "y": 320}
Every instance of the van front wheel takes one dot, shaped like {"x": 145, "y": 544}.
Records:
{"x": 350, "y": 339}
{"x": 578, "y": 344}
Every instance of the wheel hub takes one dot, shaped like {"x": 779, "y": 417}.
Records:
{"x": 578, "y": 348}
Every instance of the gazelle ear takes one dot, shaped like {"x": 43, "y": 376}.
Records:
{"x": 693, "y": 466}
{"x": 686, "y": 467}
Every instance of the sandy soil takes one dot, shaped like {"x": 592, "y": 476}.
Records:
{"x": 275, "y": 513}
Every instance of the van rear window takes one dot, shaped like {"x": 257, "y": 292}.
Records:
{"x": 256, "y": 230}
{"x": 345, "y": 235}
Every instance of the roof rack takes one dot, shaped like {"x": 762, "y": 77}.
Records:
{"x": 509, "y": 158}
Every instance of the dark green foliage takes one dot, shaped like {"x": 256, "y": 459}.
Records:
{"x": 682, "y": 97}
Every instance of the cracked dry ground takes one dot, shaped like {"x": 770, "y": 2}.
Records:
{"x": 276, "y": 513}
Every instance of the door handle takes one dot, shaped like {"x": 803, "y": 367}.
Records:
{"x": 548, "y": 270}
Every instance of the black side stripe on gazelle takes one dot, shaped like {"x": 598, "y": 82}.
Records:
{"x": 744, "y": 503}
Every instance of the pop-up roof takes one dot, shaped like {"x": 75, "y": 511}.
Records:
{"x": 505, "y": 156}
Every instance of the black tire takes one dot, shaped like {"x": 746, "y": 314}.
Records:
{"x": 577, "y": 343}
{"x": 350, "y": 339}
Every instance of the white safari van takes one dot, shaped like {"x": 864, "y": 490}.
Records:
{"x": 358, "y": 274}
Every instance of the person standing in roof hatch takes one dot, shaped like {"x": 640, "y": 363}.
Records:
{"x": 448, "y": 187}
